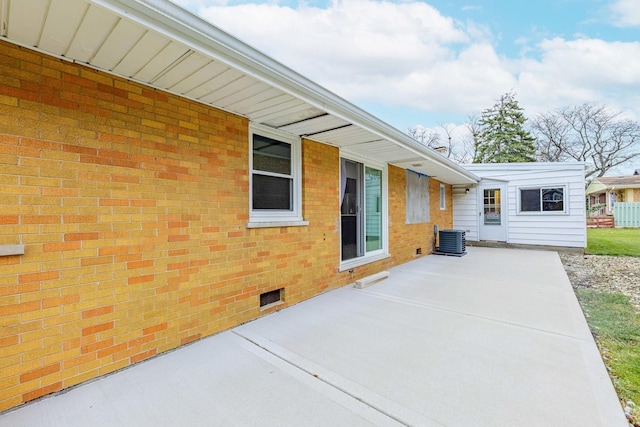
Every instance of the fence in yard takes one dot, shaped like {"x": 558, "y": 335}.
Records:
{"x": 627, "y": 214}
{"x": 600, "y": 222}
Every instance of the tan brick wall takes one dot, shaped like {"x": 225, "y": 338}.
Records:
{"x": 132, "y": 205}
{"x": 404, "y": 238}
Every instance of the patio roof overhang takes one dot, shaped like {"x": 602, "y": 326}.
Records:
{"x": 159, "y": 44}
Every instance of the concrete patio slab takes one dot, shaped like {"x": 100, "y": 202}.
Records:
{"x": 495, "y": 338}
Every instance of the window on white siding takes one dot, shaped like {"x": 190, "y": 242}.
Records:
{"x": 443, "y": 197}
{"x": 543, "y": 199}
{"x": 417, "y": 197}
{"x": 275, "y": 178}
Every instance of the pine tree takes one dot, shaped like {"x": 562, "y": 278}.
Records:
{"x": 502, "y": 137}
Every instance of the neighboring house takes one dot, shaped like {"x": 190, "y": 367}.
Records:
{"x": 523, "y": 203}
{"x": 605, "y": 191}
{"x": 162, "y": 181}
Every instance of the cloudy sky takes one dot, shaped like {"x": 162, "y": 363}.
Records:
{"x": 436, "y": 62}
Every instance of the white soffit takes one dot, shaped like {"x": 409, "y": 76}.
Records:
{"x": 157, "y": 43}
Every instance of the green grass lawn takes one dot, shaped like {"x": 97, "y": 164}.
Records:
{"x": 614, "y": 321}
{"x": 616, "y": 325}
{"x": 613, "y": 241}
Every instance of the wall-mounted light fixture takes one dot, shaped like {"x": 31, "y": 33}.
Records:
{"x": 466, "y": 191}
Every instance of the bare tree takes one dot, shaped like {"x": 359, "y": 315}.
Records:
{"x": 443, "y": 140}
{"x": 589, "y": 133}
{"x": 424, "y": 136}
{"x": 471, "y": 141}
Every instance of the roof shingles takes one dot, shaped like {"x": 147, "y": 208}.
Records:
{"x": 620, "y": 181}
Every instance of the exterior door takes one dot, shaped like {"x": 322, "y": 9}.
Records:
{"x": 492, "y": 213}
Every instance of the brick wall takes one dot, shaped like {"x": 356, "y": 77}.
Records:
{"x": 132, "y": 205}
{"x": 404, "y": 238}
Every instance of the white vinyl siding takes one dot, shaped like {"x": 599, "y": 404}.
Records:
{"x": 465, "y": 211}
{"x": 530, "y": 228}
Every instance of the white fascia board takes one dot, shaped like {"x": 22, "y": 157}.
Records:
{"x": 173, "y": 21}
{"x": 552, "y": 166}
{"x": 489, "y": 179}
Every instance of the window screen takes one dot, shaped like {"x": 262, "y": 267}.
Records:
{"x": 270, "y": 192}
{"x": 530, "y": 200}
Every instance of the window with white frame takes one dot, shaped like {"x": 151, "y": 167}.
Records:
{"x": 443, "y": 197}
{"x": 542, "y": 199}
{"x": 275, "y": 178}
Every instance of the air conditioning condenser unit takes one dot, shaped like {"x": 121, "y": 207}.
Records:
{"x": 452, "y": 242}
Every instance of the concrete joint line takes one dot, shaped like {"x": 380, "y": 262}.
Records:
{"x": 465, "y": 314}
{"x": 335, "y": 386}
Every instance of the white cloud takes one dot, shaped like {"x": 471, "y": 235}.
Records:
{"x": 407, "y": 54}
{"x": 403, "y": 53}
{"x": 360, "y": 34}
{"x": 578, "y": 71}
{"x": 626, "y": 13}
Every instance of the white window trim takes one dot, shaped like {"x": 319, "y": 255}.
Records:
{"x": 379, "y": 254}
{"x": 443, "y": 197}
{"x": 278, "y": 218}
{"x": 565, "y": 194}
{"x": 363, "y": 260}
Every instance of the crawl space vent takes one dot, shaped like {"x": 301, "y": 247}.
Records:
{"x": 270, "y": 297}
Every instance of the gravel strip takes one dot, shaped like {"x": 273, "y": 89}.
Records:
{"x": 605, "y": 274}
